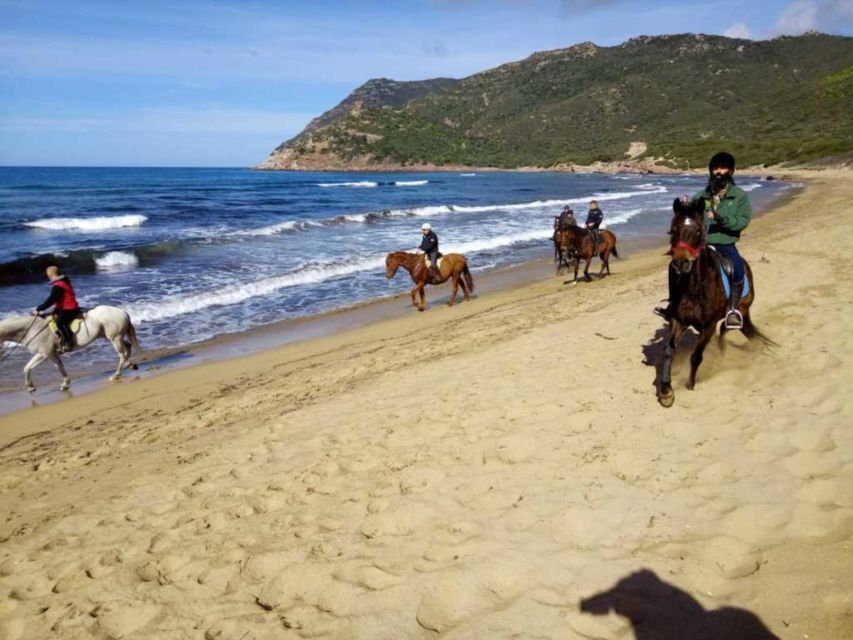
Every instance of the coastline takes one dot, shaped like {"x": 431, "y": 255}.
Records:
{"x": 94, "y": 377}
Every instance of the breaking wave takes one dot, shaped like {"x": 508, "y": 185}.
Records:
{"x": 409, "y": 183}
{"x": 116, "y": 261}
{"x": 359, "y": 184}
{"x": 98, "y": 223}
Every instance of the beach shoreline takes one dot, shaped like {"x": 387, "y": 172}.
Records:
{"x": 92, "y": 378}
{"x": 496, "y": 469}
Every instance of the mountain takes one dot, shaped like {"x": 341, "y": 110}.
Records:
{"x": 672, "y": 100}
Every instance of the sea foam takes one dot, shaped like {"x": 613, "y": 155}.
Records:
{"x": 98, "y": 223}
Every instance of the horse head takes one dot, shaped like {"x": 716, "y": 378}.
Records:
{"x": 687, "y": 234}
{"x": 392, "y": 263}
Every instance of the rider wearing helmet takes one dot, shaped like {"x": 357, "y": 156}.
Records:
{"x": 65, "y": 307}
{"x": 429, "y": 245}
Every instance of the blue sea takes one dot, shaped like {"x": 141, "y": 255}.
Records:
{"x": 194, "y": 253}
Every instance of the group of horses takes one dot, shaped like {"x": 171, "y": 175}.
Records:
{"x": 699, "y": 299}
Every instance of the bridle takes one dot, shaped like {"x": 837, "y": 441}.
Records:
{"x": 6, "y": 352}
{"x": 692, "y": 250}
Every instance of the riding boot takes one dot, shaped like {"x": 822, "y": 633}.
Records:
{"x": 433, "y": 274}
{"x": 734, "y": 319}
{"x": 66, "y": 338}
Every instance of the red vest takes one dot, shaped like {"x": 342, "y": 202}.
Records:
{"x": 68, "y": 301}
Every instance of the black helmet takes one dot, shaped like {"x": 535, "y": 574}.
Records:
{"x": 722, "y": 159}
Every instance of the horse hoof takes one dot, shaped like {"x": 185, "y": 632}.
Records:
{"x": 134, "y": 366}
{"x": 114, "y": 377}
{"x": 63, "y": 387}
{"x": 690, "y": 386}
{"x": 31, "y": 389}
{"x": 666, "y": 398}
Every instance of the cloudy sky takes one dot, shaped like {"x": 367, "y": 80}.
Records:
{"x": 222, "y": 82}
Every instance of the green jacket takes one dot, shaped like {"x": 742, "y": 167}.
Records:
{"x": 733, "y": 215}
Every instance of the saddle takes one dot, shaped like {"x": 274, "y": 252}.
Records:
{"x": 74, "y": 326}
{"x": 437, "y": 261}
{"x": 727, "y": 273}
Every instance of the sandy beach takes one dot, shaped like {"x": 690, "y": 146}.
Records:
{"x": 499, "y": 469}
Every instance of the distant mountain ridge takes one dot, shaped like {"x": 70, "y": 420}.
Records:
{"x": 671, "y": 100}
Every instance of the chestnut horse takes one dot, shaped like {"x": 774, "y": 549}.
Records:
{"x": 452, "y": 266}
{"x": 577, "y": 243}
{"x": 698, "y": 296}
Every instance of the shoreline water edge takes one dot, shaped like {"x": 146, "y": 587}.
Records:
{"x": 91, "y": 378}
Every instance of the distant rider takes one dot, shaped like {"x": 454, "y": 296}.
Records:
{"x": 729, "y": 213}
{"x": 65, "y": 307}
{"x": 429, "y": 245}
{"x": 593, "y": 221}
{"x": 567, "y": 218}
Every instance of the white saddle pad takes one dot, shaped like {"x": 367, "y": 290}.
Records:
{"x": 437, "y": 262}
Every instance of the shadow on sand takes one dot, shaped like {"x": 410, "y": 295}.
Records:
{"x": 658, "y": 610}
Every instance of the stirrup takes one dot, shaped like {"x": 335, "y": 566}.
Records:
{"x": 734, "y": 320}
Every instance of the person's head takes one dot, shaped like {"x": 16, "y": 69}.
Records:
{"x": 593, "y": 204}
{"x": 426, "y": 228}
{"x": 721, "y": 168}
{"x": 52, "y": 273}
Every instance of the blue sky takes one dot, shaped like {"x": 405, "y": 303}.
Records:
{"x": 221, "y": 83}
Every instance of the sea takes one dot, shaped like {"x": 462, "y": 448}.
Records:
{"x": 197, "y": 253}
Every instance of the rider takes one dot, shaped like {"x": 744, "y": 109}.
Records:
{"x": 429, "y": 245}
{"x": 729, "y": 213}
{"x": 593, "y": 221}
{"x": 65, "y": 307}
{"x": 567, "y": 218}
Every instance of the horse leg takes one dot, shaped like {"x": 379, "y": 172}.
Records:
{"x": 464, "y": 288}
{"x": 123, "y": 356}
{"x": 421, "y": 288}
{"x": 666, "y": 396}
{"x": 603, "y": 257}
{"x": 454, "y": 283}
{"x": 698, "y": 352}
{"x": 66, "y": 381}
{"x": 576, "y": 263}
{"x": 35, "y": 361}
{"x": 586, "y": 269}
{"x": 413, "y": 292}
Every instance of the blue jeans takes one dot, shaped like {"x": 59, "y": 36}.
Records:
{"x": 730, "y": 251}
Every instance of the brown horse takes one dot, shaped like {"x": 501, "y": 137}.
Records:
{"x": 698, "y": 294}
{"x": 452, "y": 266}
{"x": 576, "y": 243}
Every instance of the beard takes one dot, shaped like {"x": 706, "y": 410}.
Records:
{"x": 719, "y": 183}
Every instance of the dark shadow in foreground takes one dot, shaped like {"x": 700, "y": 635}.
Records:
{"x": 659, "y": 611}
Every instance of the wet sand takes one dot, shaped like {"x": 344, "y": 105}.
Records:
{"x": 493, "y": 470}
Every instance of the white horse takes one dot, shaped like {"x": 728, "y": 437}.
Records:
{"x": 102, "y": 321}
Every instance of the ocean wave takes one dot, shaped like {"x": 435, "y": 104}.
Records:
{"x": 97, "y": 223}
{"x": 236, "y": 293}
{"x": 275, "y": 229}
{"x": 467, "y": 175}
{"x": 116, "y": 261}
{"x": 751, "y": 187}
{"x": 360, "y": 184}
{"x": 409, "y": 183}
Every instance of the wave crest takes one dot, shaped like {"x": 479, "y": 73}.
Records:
{"x": 97, "y": 223}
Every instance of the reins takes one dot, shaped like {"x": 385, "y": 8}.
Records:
{"x": 6, "y": 352}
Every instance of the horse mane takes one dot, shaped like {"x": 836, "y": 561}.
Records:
{"x": 10, "y": 326}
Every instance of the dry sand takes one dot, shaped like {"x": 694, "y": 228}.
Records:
{"x": 469, "y": 472}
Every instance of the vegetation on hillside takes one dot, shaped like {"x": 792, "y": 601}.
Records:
{"x": 686, "y": 96}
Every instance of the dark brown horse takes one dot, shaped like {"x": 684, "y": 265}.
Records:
{"x": 698, "y": 296}
{"x": 576, "y": 244}
{"x": 452, "y": 266}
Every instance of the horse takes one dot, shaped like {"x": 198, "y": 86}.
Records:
{"x": 577, "y": 243}
{"x": 699, "y": 296}
{"x": 452, "y": 266}
{"x": 102, "y": 321}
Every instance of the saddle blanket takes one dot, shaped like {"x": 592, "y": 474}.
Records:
{"x": 437, "y": 262}
{"x": 727, "y": 285}
{"x": 75, "y": 324}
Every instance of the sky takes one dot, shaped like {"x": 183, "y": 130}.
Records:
{"x": 223, "y": 82}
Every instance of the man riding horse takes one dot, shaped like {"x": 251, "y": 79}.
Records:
{"x": 429, "y": 245}
{"x": 594, "y": 218}
{"x": 65, "y": 307}
{"x": 728, "y": 213}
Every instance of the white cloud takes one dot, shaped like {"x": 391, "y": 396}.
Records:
{"x": 831, "y": 16}
{"x": 738, "y": 30}
{"x": 798, "y": 17}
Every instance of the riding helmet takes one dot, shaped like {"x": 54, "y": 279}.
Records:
{"x": 722, "y": 159}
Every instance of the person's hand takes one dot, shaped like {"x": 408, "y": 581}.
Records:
{"x": 34, "y": 312}
{"x": 711, "y": 215}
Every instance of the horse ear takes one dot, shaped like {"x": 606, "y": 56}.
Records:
{"x": 699, "y": 205}
{"x": 678, "y": 206}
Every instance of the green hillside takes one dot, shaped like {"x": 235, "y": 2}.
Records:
{"x": 686, "y": 96}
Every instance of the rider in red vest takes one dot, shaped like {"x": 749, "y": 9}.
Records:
{"x": 65, "y": 307}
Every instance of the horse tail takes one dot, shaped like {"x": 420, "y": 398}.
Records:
{"x": 469, "y": 281}
{"x": 615, "y": 253}
{"x": 131, "y": 334}
{"x": 751, "y": 331}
